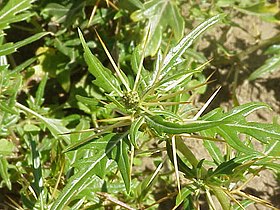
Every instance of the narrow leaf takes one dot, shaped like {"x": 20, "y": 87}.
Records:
{"x": 4, "y": 172}
{"x": 120, "y": 154}
{"x": 40, "y": 91}
{"x": 133, "y": 131}
{"x": 270, "y": 65}
{"x": 9, "y": 48}
{"x": 222, "y": 197}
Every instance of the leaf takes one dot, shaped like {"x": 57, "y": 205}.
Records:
{"x": 57, "y": 11}
{"x": 6, "y": 108}
{"x": 10, "y": 47}
{"x": 54, "y": 125}
{"x": 4, "y": 172}
{"x": 231, "y": 137}
{"x": 40, "y": 91}
{"x": 175, "y": 80}
{"x": 88, "y": 154}
{"x": 104, "y": 77}
{"x": 173, "y": 57}
{"x": 224, "y": 168}
{"x": 222, "y": 197}
{"x": 81, "y": 179}
{"x": 133, "y": 131}
{"x": 14, "y": 11}
{"x": 271, "y": 65}
{"x": 244, "y": 204}
{"x": 6, "y": 147}
{"x": 162, "y": 126}
{"x": 235, "y": 124}
{"x": 22, "y": 66}
{"x": 185, "y": 192}
{"x": 161, "y": 14}
{"x": 38, "y": 183}
{"x": 188, "y": 172}
{"x": 260, "y": 131}
{"x": 273, "y": 148}
{"x": 135, "y": 61}
{"x": 120, "y": 154}
{"x": 87, "y": 100}
{"x": 212, "y": 148}
{"x": 262, "y": 9}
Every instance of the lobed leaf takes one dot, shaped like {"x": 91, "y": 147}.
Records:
{"x": 235, "y": 124}
{"x": 104, "y": 77}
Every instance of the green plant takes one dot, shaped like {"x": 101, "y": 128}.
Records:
{"x": 142, "y": 107}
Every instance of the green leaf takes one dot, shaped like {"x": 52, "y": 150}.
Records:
{"x": 4, "y": 172}
{"x": 271, "y": 65}
{"x": 6, "y": 108}
{"x": 260, "y": 131}
{"x": 182, "y": 166}
{"x": 88, "y": 154}
{"x": 161, "y": 14}
{"x": 38, "y": 183}
{"x": 224, "y": 168}
{"x": 87, "y": 100}
{"x": 120, "y": 154}
{"x": 9, "y": 48}
{"x": 213, "y": 150}
{"x": 6, "y": 147}
{"x": 173, "y": 57}
{"x": 31, "y": 128}
{"x": 133, "y": 131}
{"x": 40, "y": 91}
{"x": 235, "y": 123}
{"x": 22, "y": 66}
{"x": 54, "y": 125}
{"x": 81, "y": 179}
{"x": 185, "y": 192}
{"x": 262, "y": 9}
{"x": 244, "y": 204}
{"x": 14, "y": 11}
{"x": 162, "y": 126}
{"x": 135, "y": 61}
{"x": 273, "y": 148}
{"x": 222, "y": 197}
{"x": 231, "y": 137}
{"x": 104, "y": 77}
